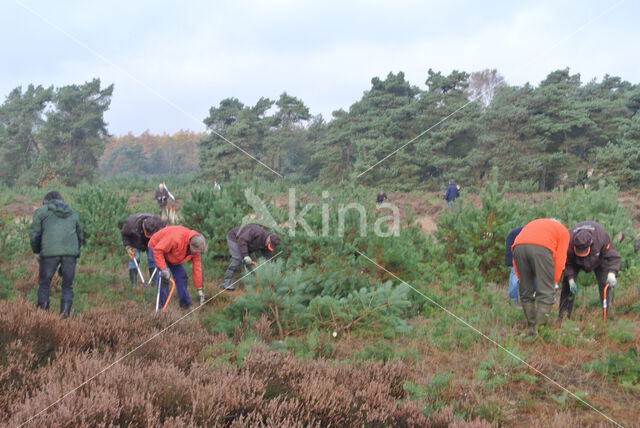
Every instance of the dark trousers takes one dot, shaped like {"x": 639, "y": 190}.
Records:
{"x": 236, "y": 261}
{"x": 567, "y": 299}
{"x": 48, "y": 267}
{"x": 536, "y": 268}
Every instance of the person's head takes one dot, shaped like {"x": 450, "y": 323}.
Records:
{"x": 51, "y": 196}
{"x": 272, "y": 242}
{"x": 582, "y": 242}
{"x": 151, "y": 225}
{"x": 161, "y": 186}
{"x": 197, "y": 244}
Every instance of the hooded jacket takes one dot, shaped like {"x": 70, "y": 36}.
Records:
{"x": 602, "y": 255}
{"x": 133, "y": 233}
{"x": 55, "y": 230}
{"x": 171, "y": 244}
{"x": 250, "y": 238}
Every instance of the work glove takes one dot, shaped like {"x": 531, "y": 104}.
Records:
{"x": 247, "y": 261}
{"x": 573, "y": 287}
{"x": 611, "y": 279}
{"x": 201, "y": 294}
{"x": 165, "y": 273}
{"x": 131, "y": 251}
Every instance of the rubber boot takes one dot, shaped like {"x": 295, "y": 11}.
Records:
{"x": 542, "y": 313}
{"x": 43, "y": 305}
{"x": 529, "y": 309}
{"x": 133, "y": 278}
{"x": 65, "y": 309}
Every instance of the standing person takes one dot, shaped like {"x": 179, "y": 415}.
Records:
{"x": 244, "y": 240}
{"x": 514, "y": 296}
{"x": 136, "y": 232}
{"x": 171, "y": 247}
{"x": 162, "y": 197}
{"x": 539, "y": 255}
{"x": 381, "y": 197}
{"x": 451, "y": 193}
{"x": 55, "y": 236}
{"x": 590, "y": 249}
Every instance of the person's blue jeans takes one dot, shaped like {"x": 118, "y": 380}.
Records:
{"x": 179, "y": 274}
{"x": 150, "y": 261}
{"x": 513, "y": 286}
{"x": 48, "y": 267}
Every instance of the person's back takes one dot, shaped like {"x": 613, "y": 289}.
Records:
{"x": 55, "y": 236}
{"x": 55, "y": 230}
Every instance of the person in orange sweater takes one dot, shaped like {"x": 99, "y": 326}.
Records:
{"x": 540, "y": 254}
{"x": 171, "y": 247}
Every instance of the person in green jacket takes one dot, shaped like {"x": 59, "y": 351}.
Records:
{"x": 55, "y": 235}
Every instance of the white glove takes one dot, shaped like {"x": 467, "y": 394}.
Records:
{"x": 165, "y": 273}
{"x": 573, "y": 287}
{"x": 201, "y": 294}
{"x": 247, "y": 261}
{"x": 611, "y": 279}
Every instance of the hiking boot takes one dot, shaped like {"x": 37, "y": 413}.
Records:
{"x": 65, "y": 309}
{"x": 529, "y": 309}
{"x": 227, "y": 287}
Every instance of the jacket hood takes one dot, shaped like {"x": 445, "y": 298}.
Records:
{"x": 59, "y": 208}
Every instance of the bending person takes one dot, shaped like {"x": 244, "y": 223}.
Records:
{"x": 539, "y": 255}
{"x": 244, "y": 240}
{"x": 590, "y": 250}
{"x": 171, "y": 247}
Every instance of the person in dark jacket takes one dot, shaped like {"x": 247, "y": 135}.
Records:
{"x": 136, "y": 232}
{"x": 381, "y": 197}
{"x": 244, "y": 240}
{"x": 590, "y": 250}
{"x": 451, "y": 193}
{"x": 55, "y": 236}
{"x": 514, "y": 296}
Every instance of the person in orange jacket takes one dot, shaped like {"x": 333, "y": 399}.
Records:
{"x": 539, "y": 254}
{"x": 171, "y": 247}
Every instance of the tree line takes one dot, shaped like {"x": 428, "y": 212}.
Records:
{"x": 560, "y": 132}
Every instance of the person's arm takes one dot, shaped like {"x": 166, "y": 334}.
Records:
{"x": 196, "y": 268}
{"x": 35, "y": 233}
{"x": 610, "y": 258}
{"x": 79, "y": 233}
{"x": 159, "y": 251}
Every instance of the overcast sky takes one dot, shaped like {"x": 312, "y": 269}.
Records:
{"x": 170, "y": 61}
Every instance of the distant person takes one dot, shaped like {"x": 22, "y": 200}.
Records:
{"x": 590, "y": 250}
{"x": 244, "y": 240}
{"x": 172, "y": 246}
{"x": 136, "y": 232}
{"x": 381, "y": 197}
{"x": 539, "y": 255}
{"x": 162, "y": 197}
{"x": 514, "y": 296}
{"x": 452, "y": 193}
{"x": 55, "y": 236}
{"x": 216, "y": 186}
